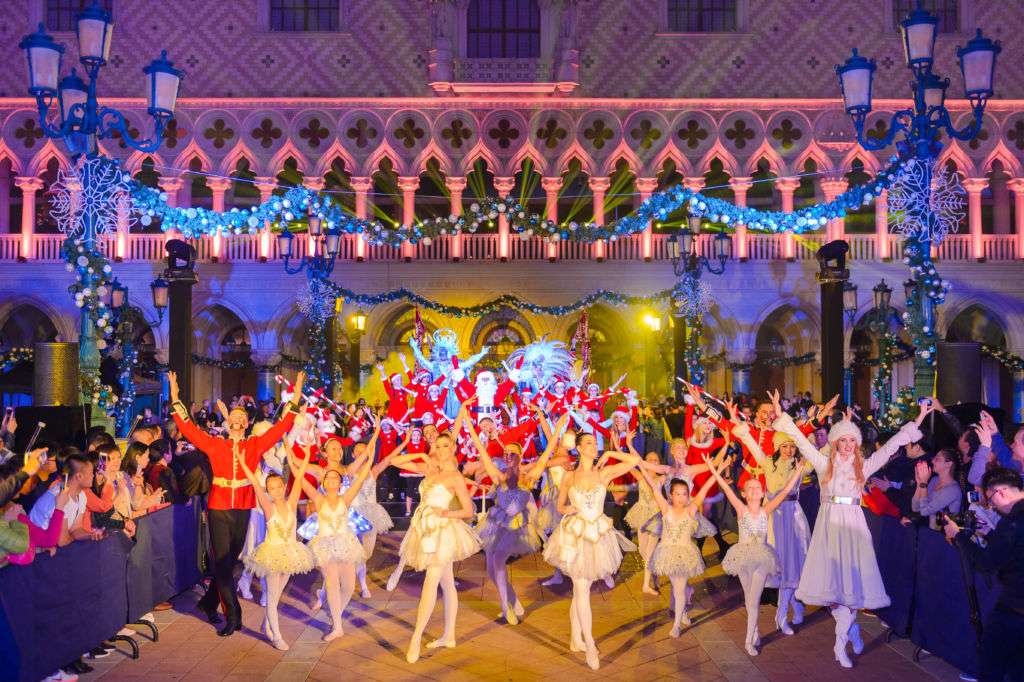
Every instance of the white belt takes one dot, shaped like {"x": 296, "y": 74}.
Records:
{"x": 836, "y": 499}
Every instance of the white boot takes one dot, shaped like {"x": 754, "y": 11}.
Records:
{"x": 843, "y": 617}
{"x": 798, "y": 611}
{"x": 855, "y": 639}
{"x": 782, "y": 611}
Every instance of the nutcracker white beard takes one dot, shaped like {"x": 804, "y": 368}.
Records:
{"x": 486, "y": 388}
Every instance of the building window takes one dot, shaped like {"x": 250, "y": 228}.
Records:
{"x": 304, "y": 15}
{"x": 702, "y": 16}
{"x": 946, "y": 10}
{"x": 62, "y": 15}
{"x": 503, "y": 29}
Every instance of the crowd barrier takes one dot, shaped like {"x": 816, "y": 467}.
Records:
{"x": 925, "y": 580}
{"x": 58, "y": 607}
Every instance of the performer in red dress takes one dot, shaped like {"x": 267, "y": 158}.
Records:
{"x": 231, "y": 494}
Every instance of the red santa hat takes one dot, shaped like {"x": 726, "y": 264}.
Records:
{"x": 394, "y": 376}
{"x": 621, "y": 411}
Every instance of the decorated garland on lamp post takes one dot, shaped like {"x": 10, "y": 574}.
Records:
{"x": 99, "y": 394}
{"x": 881, "y": 385}
{"x": 298, "y": 202}
{"x": 1011, "y": 361}
{"x": 92, "y": 284}
{"x": 900, "y": 411}
{"x": 694, "y": 355}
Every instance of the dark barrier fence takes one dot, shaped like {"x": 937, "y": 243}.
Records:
{"x": 58, "y": 607}
{"x": 925, "y": 580}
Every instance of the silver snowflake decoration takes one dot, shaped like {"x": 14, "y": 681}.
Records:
{"x": 691, "y": 297}
{"x": 91, "y": 193}
{"x": 926, "y": 210}
{"x": 315, "y": 301}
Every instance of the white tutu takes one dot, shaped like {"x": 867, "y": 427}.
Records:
{"x": 641, "y": 512}
{"x": 510, "y": 526}
{"x": 289, "y": 557}
{"x": 366, "y": 504}
{"x": 752, "y": 552}
{"x": 585, "y": 545}
{"x": 435, "y": 540}
{"x": 254, "y": 534}
{"x": 676, "y": 555}
{"x": 339, "y": 547}
{"x": 548, "y": 516}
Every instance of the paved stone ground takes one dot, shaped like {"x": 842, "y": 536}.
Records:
{"x": 631, "y": 630}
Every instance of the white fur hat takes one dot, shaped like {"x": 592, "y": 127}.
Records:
{"x": 844, "y": 427}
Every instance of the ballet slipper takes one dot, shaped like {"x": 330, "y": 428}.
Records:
{"x": 685, "y": 620}
{"x": 333, "y": 635}
{"x": 280, "y": 644}
{"x": 365, "y": 593}
{"x": 751, "y": 649}
{"x": 593, "y": 660}
{"x": 413, "y": 653}
{"x": 511, "y": 618}
{"x": 609, "y": 582}
{"x": 518, "y": 609}
{"x": 647, "y": 589}
{"x": 676, "y": 632}
{"x": 445, "y": 642}
{"x": 393, "y": 581}
{"x": 855, "y": 639}
{"x": 576, "y": 645}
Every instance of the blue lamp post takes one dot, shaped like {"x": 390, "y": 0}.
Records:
{"x": 127, "y": 321}
{"x": 919, "y": 130}
{"x": 80, "y": 122}
{"x": 688, "y": 265}
{"x": 318, "y": 264}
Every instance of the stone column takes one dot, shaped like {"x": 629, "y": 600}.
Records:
{"x": 1016, "y": 185}
{"x": 219, "y": 187}
{"x": 832, "y": 188}
{"x": 741, "y": 377}
{"x": 171, "y": 185}
{"x": 882, "y": 250}
{"x": 504, "y": 186}
{"x": 974, "y": 187}
{"x": 740, "y": 187}
{"x": 124, "y": 210}
{"x": 28, "y": 185}
{"x": 787, "y": 188}
{"x": 645, "y": 188}
{"x": 1000, "y": 204}
{"x": 313, "y": 185}
{"x": 456, "y": 186}
{"x": 361, "y": 186}
{"x": 408, "y": 184}
{"x": 599, "y": 186}
{"x": 552, "y": 186}
{"x": 265, "y": 385}
{"x": 266, "y": 186}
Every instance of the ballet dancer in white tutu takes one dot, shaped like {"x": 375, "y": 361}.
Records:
{"x": 585, "y": 546}
{"x": 752, "y": 559}
{"x": 280, "y": 555}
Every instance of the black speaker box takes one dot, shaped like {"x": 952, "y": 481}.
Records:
{"x": 65, "y": 425}
{"x": 959, "y": 368}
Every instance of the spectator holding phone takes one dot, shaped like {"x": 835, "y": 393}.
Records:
{"x": 940, "y": 493}
{"x": 1002, "y": 640}
{"x": 78, "y": 476}
{"x": 991, "y": 446}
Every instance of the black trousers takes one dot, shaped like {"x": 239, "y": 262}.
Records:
{"x": 227, "y": 535}
{"x": 1002, "y": 647}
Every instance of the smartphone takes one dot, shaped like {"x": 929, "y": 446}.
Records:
{"x": 924, "y": 401}
{"x": 973, "y": 497}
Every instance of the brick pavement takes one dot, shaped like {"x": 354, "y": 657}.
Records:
{"x": 631, "y": 630}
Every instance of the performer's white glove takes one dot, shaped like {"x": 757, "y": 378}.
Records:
{"x": 457, "y": 375}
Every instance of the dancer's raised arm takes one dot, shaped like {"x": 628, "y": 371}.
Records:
{"x": 734, "y": 499}
{"x": 485, "y": 459}
{"x": 538, "y": 467}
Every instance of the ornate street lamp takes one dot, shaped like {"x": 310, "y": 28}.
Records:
{"x": 81, "y": 123}
{"x": 691, "y": 296}
{"x": 920, "y": 130}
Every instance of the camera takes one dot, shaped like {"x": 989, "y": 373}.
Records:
{"x": 967, "y": 520}
{"x": 973, "y": 497}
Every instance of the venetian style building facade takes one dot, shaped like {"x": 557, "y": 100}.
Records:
{"x": 407, "y": 109}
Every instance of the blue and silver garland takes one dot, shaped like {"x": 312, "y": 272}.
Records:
{"x": 298, "y": 203}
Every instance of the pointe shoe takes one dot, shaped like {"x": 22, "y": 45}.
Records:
{"x": 676, "y": 632}
{"x": 593, "y": 660}
{"x": 393, "y": 581}
{"x": 280, "y": 644}
{"x": 840, "y": 652}
{"x": 798, "y": 612}
{"x": 685, "y": 620}
{"x": 518, "y": 609}
{"x": 443, "y": 642}
{"x": 577, "y": 645}
{"x": 856, "y": 642}
{"x": 555, "y": 579}
{"x": 413, "y": 653}
{"x": 751, "y": 649}
{"x": 365, "y": 593}
{"x": 609, "y": 582}
{"x": 647, "y": 589}
{"x": 333, "y": 635}
{"x": 511, "y": 618}
{"x": 780, "y": 622}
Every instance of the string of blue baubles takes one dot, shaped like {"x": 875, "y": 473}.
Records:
{"x": 298, "y": 203}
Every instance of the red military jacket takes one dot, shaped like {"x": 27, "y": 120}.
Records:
{"x": 230, "y": 488}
